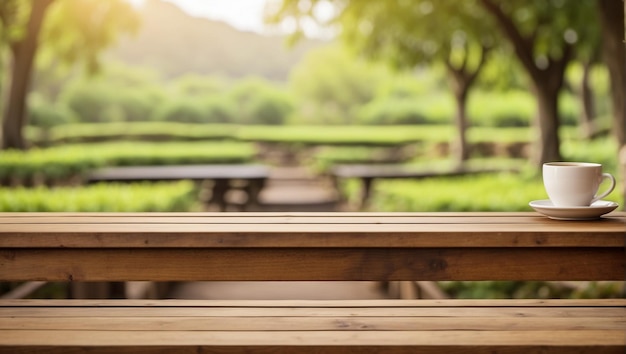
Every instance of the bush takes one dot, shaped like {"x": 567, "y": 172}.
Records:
{"x": 91, "y": 103}
{"x": 182, "y": 110}
{"x": 138, "y": 131}
{"x": 501, "y": 109}
{"x": 268, "y": 109}
{"x": 97, "y": 102}
{"x": 45, "y": 165}
{"x": 219, "y": 109}
{"x": 392, "y": 112}
{"x": 58, "y": 165}
{"x": 260, "y": 102}
{"x": 140, "y": 197}
{"x": 44, "y": 115}
{"x": 488, "y": 192}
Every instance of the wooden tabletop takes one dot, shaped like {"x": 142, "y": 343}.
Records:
{"x": 380, "y": 326}
{"x": 310, "y": 246}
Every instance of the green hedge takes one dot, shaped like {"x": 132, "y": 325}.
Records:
{"x": 486, "y": 192}
{"x": 139, "y": 197}
{"x": 67, "y": 164}
{"x": 98, "y": 132}
{"x": 287, "y": 134}
{"x": 344, "y": 134}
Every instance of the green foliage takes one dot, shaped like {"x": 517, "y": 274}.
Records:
{"x": 601, "y": 150}
{"x": 97, "y": 101}
{"x": 45, "y": 115}
{"x": 137, "y": 131}
{"x": 260, "y": 102}
{"x": 329, "y": 83}
{"x": 42, "y": 165}
{"x": 129, "y": 154}
{"x": 328, "y": 156}
{"x": 488, "y": 192}
{"x": 181, "y": 110}
{"x": 142, "y": 197}
{"x": 337, "y": 135}
{"x": 501, "y": 109}
{"x": 531, "y": 290}
{"x": 485, "y": 192}
{"x": 190, "y": 85}
{"x": 396, "y": 112}
{"x": 69, "y": 163}
{"x": 81, "y": 29}
{"x": 219, "y": 109}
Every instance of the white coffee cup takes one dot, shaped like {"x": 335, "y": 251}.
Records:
{"x": 575, "y": 184}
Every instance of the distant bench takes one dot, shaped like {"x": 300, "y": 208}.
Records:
{"x": 223, "y": 176}
{"x": 80, "y": 247}
{"x": 368, "y": 173}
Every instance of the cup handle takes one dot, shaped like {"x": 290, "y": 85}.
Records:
{"x": 611, "y": 179}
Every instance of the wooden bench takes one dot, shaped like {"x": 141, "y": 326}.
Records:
{"x": 311, "y": 246}
{"x": 223, "y": 177}
{"x": 368, "y": 173}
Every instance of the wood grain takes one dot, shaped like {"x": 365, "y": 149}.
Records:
{"x": 307, "y": 230}
{"x": 312, "y": 264}
{"x": 561, "y": 326}
{"x": 311, "y": 246}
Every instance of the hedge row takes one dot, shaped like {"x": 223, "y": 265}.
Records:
{"x": 139, "y": 197}
{"x": 69, "y": 164}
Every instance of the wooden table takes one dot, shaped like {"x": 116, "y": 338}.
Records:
{"x": 310, "y": 246}
{"x": 254, "y": 176}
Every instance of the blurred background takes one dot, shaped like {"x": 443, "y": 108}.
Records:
{"x": 345, "y": 105}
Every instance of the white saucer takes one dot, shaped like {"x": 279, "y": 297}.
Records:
{"x": 592, "y": 212}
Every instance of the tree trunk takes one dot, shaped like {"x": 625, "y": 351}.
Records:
{"x": 546, "y": 81}
{"x": 461, "y": 79}
{"x": 22, "y": 58}
{"x": 548, "y": 123}
{"x": 612, "y": 14}
{"x": 587, "y": 115}
{"x": 461, "y": 148}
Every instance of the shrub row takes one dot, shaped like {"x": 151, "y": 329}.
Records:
{"x": 68, "y": 164}
{"x": 286, "y": 134}
{"x": 144, "y": 131}
{"x": 486, "y": 192}
{"x": 139, "y": 197}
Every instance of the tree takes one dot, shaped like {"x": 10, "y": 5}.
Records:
{"x": 612, "y": 13}
{"x": 22, "y": 57}
{"x": 72, "y": 29}
{"x": 329, "y": 84}
{"x": 543, "y": 35}
{"x": 413, "y": 33}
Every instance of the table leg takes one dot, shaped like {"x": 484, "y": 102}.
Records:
{"x": 220, "y": 188}
{"x": 366, "y": 188}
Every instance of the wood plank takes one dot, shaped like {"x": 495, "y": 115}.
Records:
{"x": 503, "y": 312}
{"x": 600, "y": 338}
{"x": 289, "y": 264}
{"x": 330, "y": 323}
{"x": 611, "y": 234}
{"x": 267, "y": 214}
{"x": 382, "y": 303}
{"x": 317, "y": 349}
{"x": 276, "y": 218}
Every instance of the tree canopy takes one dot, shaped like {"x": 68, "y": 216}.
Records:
{"x": 71, "y": 30}
{"x": 545, "y": 36}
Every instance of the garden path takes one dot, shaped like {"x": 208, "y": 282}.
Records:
{"x": 289, "y": 189}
